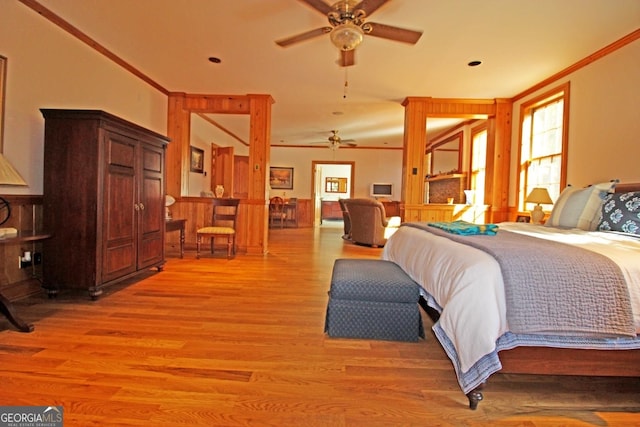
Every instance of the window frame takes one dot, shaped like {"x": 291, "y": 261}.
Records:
{"x": 484, "y": 127}
{"x": 526, "y": 110}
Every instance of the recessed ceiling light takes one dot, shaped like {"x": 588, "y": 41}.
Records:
{"x": 474, "y": 63}
{"x": 215, "y": 60}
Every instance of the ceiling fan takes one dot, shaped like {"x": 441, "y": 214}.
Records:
{"x": 335, "y": 141}
{"x": 348, "y": 27}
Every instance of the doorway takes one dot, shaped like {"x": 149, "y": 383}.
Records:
{"x": 324, "y": 175}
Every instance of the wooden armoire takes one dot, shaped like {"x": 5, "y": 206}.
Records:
{"x": 103, "y": 201}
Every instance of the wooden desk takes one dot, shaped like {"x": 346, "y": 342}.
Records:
{"x": 6, "y": 307}
{"x": 391, "y": 208}
{"x": 177, "y": 225}
{"x": 330, "y": 209}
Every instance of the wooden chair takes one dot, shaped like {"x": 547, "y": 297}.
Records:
{"x": 225, "y": 212}
{"x": 276, "y": 211}
{"x": 291, "y": 211}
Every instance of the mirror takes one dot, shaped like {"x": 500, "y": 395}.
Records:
{"x": 217, "y": 147}
{"x": 446, "y": 156}
{"x": 335, "y": 185}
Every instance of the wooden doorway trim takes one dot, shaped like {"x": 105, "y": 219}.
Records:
{"x": 314, "y": 166}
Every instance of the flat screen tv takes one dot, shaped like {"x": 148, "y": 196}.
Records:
{"x": 382, "y": 190}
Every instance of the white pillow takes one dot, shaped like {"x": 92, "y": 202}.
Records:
{"x": 580, "y": 207}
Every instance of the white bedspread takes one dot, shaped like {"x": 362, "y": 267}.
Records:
{"x": 467, "y": 282}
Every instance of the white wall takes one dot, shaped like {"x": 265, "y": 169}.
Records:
{"x": 604, "y": 121}
{"x": 48, "y": 68}
{"x": 370, "y": 166}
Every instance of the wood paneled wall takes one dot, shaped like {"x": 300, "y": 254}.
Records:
{"x": 26, "y": 214}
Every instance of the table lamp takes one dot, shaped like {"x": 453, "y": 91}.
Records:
{"x": 8, "y": 176}
{"x": 538, "y": 195}
{"x": 168, "y": 201}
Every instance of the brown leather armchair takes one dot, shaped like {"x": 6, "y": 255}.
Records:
{"x": 369, "y": 223}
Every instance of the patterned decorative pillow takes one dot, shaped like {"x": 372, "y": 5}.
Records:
{"x": 621, "y": 212}
{"x": 580, "y": 207}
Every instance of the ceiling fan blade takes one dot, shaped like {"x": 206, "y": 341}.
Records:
{"x": 370, "y": 6}
{"x": 318, "y": 5}
{"x": 349, "y": 144}
{"x": 394, "y": 33}
{"x": 347, "y": 58}
{"x": 347, "y": 141}
{"x": 303, "y": 36}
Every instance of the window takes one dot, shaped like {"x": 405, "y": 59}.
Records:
{"x": 543, "y": 153}
{"x": 478, "y": 163}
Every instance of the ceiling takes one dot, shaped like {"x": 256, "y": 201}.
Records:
{"x": 520, "y": 43}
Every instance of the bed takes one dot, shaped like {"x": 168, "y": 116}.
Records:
{"x": 586, "y": 299}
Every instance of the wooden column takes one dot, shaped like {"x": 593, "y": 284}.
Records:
{"x": 177, "y": 155}
{"x": 413, "y": 156}
{"x": 259, "y": 155}
{"x": 498, "y": 161}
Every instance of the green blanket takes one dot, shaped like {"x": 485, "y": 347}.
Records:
{"x": 465, "y": 228}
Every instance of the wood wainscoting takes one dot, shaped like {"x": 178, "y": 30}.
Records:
{"x": 431, "y": 212}
{"x": 197, "y": 211}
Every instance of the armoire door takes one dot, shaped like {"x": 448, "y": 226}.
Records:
{"x": 120, "y": 207}
{"x": 151, "y": 216}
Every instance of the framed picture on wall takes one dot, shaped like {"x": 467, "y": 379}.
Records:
{"x": 197, "y": 160}
{"x": 281, "y": 178}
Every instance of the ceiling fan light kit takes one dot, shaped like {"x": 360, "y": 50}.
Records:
{"x": 346, "y": 36}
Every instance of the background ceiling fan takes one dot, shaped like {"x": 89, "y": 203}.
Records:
{"x": 348, "y": 27}
{"x": 334, "y": 141}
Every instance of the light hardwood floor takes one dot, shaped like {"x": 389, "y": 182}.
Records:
{"x": 217, "y": 342}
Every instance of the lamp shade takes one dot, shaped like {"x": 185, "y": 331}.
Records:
{"x": 8, "y": 174}
{"x": 346, "y": 36}
{"x": 539, "y": 195}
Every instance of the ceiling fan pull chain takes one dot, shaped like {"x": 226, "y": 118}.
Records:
{"x": 346, "y": 82}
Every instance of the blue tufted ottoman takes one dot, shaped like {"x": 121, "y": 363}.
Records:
{"x": 373, "y": 299}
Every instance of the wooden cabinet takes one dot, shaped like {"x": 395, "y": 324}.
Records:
{"x": 391, "y": 208}
{"x": 330, "y": 210}
{"x": 103, "y": 199}
{"x": 438, "y": 212}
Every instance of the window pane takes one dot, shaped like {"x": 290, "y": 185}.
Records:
{"x": 478, "y": 165}
{"x": 541, "y": 154}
